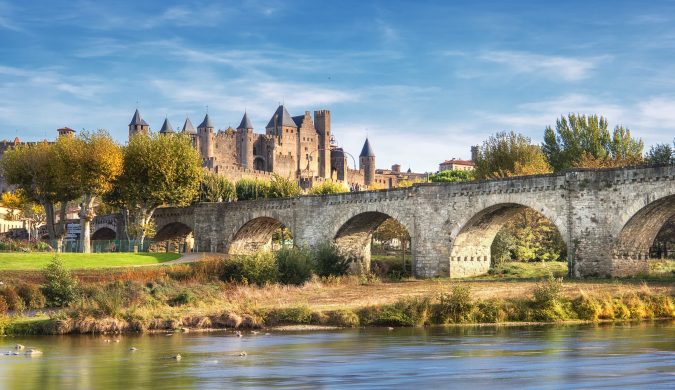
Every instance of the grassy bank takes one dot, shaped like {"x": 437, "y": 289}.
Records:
{"x": 199, "y": 295}
{"x": 38, "y": 260}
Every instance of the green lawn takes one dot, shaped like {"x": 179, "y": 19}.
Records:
{"x": 32, "y": 261}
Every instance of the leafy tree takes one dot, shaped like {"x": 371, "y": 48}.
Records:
{"x": 97, "y": 162}
{"x": 452, "y": 176}
{"x": 328, "y": 187}
{"x": 585, "y": 141}
{"x": 44, "y": 171}
{"x": 408, "y": 183}
{"x": 157, "y": 171}
{"x": 21, "y": 207}
{"x": 391, "y": 229}
{"x": 509, "y": 154}
{"x": 216, "y": 188}
{"x": 661, "y": 154}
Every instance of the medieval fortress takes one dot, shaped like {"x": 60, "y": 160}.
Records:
{"x": 298, "y": 147}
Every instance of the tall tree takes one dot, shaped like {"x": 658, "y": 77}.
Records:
{"x": 509, "y": 154}
{"x": 661, "y": 154}
{"x": 216, "y": 188}
{"x": 20, "y": 207}
{"x": 97, "y": 163}
{"x": 585, "y": 141}
{"x": 44, "y": 171}
{"x": 157, "y": 170}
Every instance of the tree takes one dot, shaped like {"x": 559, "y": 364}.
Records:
{"x": 97, "y": 163}
{"x": 281, "y": 187}
{"x": 391, "y": 229}
{"x": 216, "y": 188}
{"x": 452, "y": 176}
{"x": 509, "y": 154}
{"x": 585, "y": 141}
{"x": 661, "y": 154}
{"x": 20, "y": 207}
{"x": 44, "y": 171}
{"x": 157, "y": 171}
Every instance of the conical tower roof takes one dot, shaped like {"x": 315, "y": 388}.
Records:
{"x": 205, "y": 123}
{"x": 166, "y": 127}
{"x": 367, "y": 150}
{"x": 188, "y": 128}
{"x": 137, "y": 120}
{"x": 245, "y": 123}
{"x": 281, "y": 117}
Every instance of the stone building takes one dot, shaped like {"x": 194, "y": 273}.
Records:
{"x": 299, "y": 147}
{"x": 456, "y": 165}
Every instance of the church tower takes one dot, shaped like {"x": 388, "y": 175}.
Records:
{"x": 138, "y": 125}
{"x": 367, "y": 163}
{"x": 245, "y": 143}
{"x": 206, "y": 140}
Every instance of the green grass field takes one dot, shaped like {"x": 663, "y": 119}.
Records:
{"x": 33, "y": 261}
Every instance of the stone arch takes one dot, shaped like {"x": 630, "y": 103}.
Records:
{"x": 472, "y": 240}
{"x": 631, "y": 248}
{"x": 353, "y": 236}
{"x": 259, "y": 163}
{"x": 255, "y": 235}
{"x": 104, "y": 233}
{"x": 173, "y": 237}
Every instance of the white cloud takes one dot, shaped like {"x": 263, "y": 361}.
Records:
{"x": 555, "y": 67}
{"x": 7, "y": 18}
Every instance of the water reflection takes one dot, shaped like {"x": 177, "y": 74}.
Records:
{"x": 588, "y": 356}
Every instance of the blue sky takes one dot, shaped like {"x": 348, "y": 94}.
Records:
{"x": 423, "y": 79}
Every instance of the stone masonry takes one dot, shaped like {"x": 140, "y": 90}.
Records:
{"x": 608, "y": 219}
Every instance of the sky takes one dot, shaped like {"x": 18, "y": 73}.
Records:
{"x": 423, "y": 80}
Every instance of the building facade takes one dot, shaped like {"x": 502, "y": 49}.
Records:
{"x": 299, "y": 147}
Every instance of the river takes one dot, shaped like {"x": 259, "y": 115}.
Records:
{"x": 574, "y": 356}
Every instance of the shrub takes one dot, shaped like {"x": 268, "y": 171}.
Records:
{"x": 329, "y": 262}
{"x": 183, "y": 298}
{"x": 587, "y": 308}
{"x": 295, "y": 265}
{"x": 549, "y": 304}
{"x": 291, "y": 315}
{"x": 328, "y": 187}
{"x": 455, "y": 306}
{"x": 548, "y": 292}
{"x": 3, "y": 306}
{"x": 342, "y": 317}
{"x": 60, "y": 288}
{"x": 281, "y": 187}
{"x": 405, "y": 312}
{"x": 31, "y": 296}
{"x": 109, "y": 300}
{"x": 490, "y": 311}
{"x": 260, "y": 268}
{"x": 248, "y": 189}
{"x": 12, "y": 298}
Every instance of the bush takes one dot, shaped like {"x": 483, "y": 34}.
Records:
{"x": 549, "y": 304}
{"x": 329, "y": 262}
{"x": 60, "y": 288}
{"x": 248, "y": 189}
{"x": 183, "y": 298}
{"x": 343, "y": 317}
{"x": 455, "y": 306}
{"x": 295, "y": 265}
{"x": 12, "y": 298}
{"x": 291, "y": 316}
{"x": 405, "y": 312}
{"x": 281, "y": 187}
{"x": 328, "y": 187}
{"x": 260, "y": 269}
{"x": 32, "y": 296}
{"x": 3, "y": 306}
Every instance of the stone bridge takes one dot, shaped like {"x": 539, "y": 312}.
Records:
{"x": 608, "y": 219}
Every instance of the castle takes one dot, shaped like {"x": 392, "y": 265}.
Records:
{"x": 298, "y": 147}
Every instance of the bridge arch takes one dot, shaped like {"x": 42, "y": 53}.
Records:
{"x": 256, "y": 234}
{"x": 631, "y": 249}
{"x": 471, "y": 252}
{"x": 173, "y": 237}
{"x": 354, "y": 234}
{"x": 104, "y": 233}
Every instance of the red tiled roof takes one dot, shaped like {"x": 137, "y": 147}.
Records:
{"x": 459, "y": 162}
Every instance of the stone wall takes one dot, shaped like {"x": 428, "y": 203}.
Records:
{"x": 606, "y": 217}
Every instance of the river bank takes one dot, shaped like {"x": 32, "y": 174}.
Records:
{"x": 191, "y": 297}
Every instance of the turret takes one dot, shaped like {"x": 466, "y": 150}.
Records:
{"x": 138, "y": 125}
{"x": 166, "y": 127}
{"x": 205, "y": 130}
{"x": 322, "y": 126}
{"x": 281, "y": 123}
{"x": 244, "y": 133}
{"x": 190, "y": 131}
{"x": 367, "y": 163}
